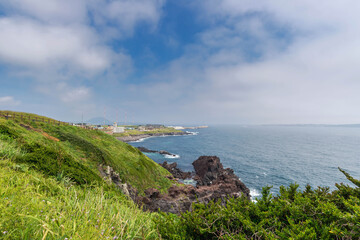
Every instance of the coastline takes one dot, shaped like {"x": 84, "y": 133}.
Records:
{"x": 134, "y": 138}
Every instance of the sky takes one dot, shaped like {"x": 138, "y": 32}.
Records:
{"x": 182, "y": 61}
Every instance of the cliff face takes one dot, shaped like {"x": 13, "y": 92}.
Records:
{"x": 213, "y": 183}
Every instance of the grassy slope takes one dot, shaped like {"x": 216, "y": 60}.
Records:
{"x": 36, "y": 207}
{"x": 50, "y": 186}
{"x": 17, "y": 115}
{"x": 77, "y": 153}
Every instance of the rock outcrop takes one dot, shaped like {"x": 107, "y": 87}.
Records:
{"x": 146, "y": 150}
{"x": 210, "y": 172}
{"x": 162, "y": 152}
{"x": 175, "y": 171}
{"x": 110, "y": 175}
{"x": 213, "y": 183}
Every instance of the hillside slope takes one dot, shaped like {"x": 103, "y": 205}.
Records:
{"x": 79, "y": 153}
{"x": 33, "y": 206}
{"x": 51, "y": 186}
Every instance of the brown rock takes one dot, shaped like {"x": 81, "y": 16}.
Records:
{"x": 175, "y": 171}
{"x": 213, "y": 183}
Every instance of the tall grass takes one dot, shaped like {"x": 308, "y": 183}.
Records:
{"x": 35, "y": 207}
{"x": 77, "y": 153}
{"x": 9, "y": 149}
{"x": 50, "y": 187}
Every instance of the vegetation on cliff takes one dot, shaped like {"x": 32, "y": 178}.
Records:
{"x": 135, "y": 132}
{"x": 293, "y": 214}
{"x": 33, "y": 206}
{"x": 51, "y": 188}
{"x": 77, "y": 153}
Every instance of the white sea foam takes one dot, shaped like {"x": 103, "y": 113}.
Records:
{"x": 192, "y": 133}
{"x": 254, "y": 194}
{"x": 188, "y": 181}
{"x": 171, "y": 156}
{"x": 140, "y": 140}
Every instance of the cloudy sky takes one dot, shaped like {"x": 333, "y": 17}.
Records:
{"x": 182, "y": 61}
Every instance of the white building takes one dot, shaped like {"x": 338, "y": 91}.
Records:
{"x": 117, "y": 129}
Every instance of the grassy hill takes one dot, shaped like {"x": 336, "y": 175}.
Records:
{"x": 77, "y": 153}
{"x": 33, "y": 206}
{"x": 51, "y": 187}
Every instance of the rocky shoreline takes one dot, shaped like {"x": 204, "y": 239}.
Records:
{"x": 162, "y": 152}
{"x": 134, "y": 138}
{"x": 214, "y": 183}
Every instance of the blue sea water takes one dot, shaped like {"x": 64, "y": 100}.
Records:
{"x": 269, "y": 155}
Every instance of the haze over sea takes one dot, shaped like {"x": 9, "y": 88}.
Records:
{"x": 269, "y": 155}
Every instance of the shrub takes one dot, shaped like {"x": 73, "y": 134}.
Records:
{"x": 51, "y": 162}
{"x": 293, "y": 214}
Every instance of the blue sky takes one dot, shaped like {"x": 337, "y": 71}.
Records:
{"x": 182, "y": 61}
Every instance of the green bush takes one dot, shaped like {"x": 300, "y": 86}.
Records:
{"x": 51, "y": 162}
{"x": 293, "y": 214}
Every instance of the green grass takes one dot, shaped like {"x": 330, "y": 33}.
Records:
{"x": 137, "y": 132}
{"x": 36, "y": 207}
{"x": 50, "y": 186}
{"x": 17, "y": 115}
{"x": 77, "y": 153}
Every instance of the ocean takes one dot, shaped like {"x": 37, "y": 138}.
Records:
{"x": 269, "y": 155}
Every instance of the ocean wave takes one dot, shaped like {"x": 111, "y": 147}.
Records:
{"x": 192, "y": 133}
{"x": 188, "y": 181}
{"x": 171, "y": 156}
{"x": 254, "y": 194}
{"x": 137, "y": 141}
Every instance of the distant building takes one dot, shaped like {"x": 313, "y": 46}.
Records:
{"x": 116, "y": 129}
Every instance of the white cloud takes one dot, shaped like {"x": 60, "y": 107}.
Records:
{"x": 31, "y": 44}
{"x": 114, "y": 17}
{"x": 8, "y": 101}
{"x": 64, "y": 46}
{"x": 49, "y": 11}
{"x": 77, "y": 94}
{"x": 68, "y": 94}
{"x": 309, "y": 76}
{"x": 302, "y": 14}
{"x": 127, "y": 13}
{"x": 59, "y": 34}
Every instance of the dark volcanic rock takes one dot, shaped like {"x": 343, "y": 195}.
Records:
{"x": 163, "y": 152}
{"x": 213, "y": 183}
{"x": 210, "y": 172}
{"x": 207, "y": 169}
{"x": 176, "y": 172}
{"x": 144, "y": 149}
